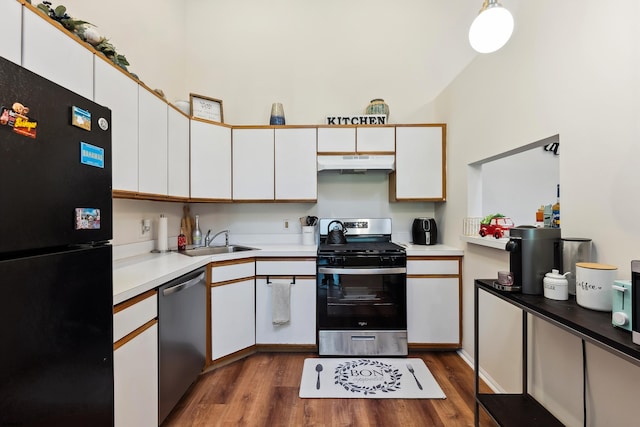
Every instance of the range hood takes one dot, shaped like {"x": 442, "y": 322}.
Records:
{"x": 356, "y": 163}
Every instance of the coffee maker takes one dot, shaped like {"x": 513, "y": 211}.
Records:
{"x": 534, "y": 251}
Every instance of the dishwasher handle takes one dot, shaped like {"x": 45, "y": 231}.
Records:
{"x": 183, "y": 286}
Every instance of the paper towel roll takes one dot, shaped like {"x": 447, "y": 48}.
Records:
{"x": 163, "y": 240}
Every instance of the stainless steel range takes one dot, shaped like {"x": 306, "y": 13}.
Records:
{"x": 361, "y": 289}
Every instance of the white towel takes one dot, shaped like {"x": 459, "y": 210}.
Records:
{"x": 280, "y": 302}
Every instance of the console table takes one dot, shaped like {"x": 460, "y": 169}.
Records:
{"x": 592, "y": 326}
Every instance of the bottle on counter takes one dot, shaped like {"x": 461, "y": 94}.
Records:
{"x": 540, "y": 217}
{"x": 197, "y": 234}
{"x": 182, "y": 240}
{"x": 555, "y": 210}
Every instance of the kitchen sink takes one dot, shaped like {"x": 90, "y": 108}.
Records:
{"x": 214, "y": 250}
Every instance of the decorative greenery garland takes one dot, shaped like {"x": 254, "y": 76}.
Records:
{"x": 86, "y": 31}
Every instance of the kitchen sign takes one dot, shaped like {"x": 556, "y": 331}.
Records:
{"x": 365, "y": 119}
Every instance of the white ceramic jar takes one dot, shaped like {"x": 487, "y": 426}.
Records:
{"x": 556, "y": 285}
{"x": 593, "y": 285}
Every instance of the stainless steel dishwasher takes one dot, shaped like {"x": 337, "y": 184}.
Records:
{"x": 182, "y": 337}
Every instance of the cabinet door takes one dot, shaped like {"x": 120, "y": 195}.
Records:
{"x": 253, "y": 164}
{"x": 301, "y": 329}
{"x": 119, "y": 92}
{"x": 296, "y": 177}
{"x": 233, "y": 321}
{"x": 178, "y": 161}
{"x": 48, "y": 50}
{"x": 135, "y": 367}
{"x": 420, "y": 173}
{"x": 375, "y": 140}
{"x": 210, "y": 161}
{"x": 433, "y": 310}
{"x": 152, "y": 143}
{"x": 337, "y": 140}
{"x": 11, "y": 24}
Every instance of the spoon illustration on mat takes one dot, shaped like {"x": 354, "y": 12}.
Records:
{"x": 410, "y": 368}
{"x": 318, "y": 370}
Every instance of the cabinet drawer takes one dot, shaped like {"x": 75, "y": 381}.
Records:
{"x": 432, "y": 267}
{"x": 131, "y": 314}
{"x": 286, "y": 268}
{"x": 232, "y": 271}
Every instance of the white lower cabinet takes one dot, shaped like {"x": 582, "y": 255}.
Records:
{"x": 232, "y": 307}
{"x": 433, "y": 301}
{"x": 232, "y": 318}
{"x": 135, "y": 362}
{"x": 301, "y": 328}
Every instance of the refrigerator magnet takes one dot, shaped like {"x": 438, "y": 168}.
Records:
{"x": 91, "y": 155}
{"x": 103, "y": 123}
{"x": 80, "y": 118}
{"x": 87, "y": 219}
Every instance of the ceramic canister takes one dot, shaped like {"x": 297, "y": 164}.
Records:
{"x": 593, "y": 285}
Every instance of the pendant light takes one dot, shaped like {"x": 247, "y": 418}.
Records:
{"x": 492, "y": 27}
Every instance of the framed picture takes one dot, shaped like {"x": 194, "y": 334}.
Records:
{"x": 206, "y": 108}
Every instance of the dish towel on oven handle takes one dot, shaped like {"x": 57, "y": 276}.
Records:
{"x": 280, "y": 302}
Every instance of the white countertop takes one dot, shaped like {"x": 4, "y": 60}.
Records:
{"x": 135, "y": 275}
{"x": 431, "y": 250}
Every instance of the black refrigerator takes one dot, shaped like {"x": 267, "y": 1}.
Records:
{"x": 56, "y": 293}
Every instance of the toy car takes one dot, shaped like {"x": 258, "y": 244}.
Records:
{"x": 497, "y": 228}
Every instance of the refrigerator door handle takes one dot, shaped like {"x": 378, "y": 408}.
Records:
{"x": 183, "y": 286}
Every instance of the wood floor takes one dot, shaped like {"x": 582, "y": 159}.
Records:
{"x": 262, "y": 390}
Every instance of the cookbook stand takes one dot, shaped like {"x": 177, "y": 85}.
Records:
{"x": 595, "y": 327}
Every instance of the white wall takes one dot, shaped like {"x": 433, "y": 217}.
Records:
{"x": 150, "y": 34}
{"x": 571, "y": 69}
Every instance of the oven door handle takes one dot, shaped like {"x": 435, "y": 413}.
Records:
{"x": 362, "y": 271}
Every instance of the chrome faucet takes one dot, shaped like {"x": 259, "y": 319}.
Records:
{"x": 208, "y": 241}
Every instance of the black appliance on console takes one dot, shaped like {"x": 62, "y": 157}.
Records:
{"x": 361, "y": 289}
{"x": 56, "y": 294}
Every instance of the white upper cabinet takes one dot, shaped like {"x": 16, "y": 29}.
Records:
{"x": 178, "y": 161}
{"x": 295, "y": 164}
{"x": 152, "y": 143}
{"x": 11, "y": 24}
{"x": 210, "y": 161}
{"x": 49, "y": 51}
{"x": 420, "y": 164}
{"x": 253, "y": 164}
{"x": 375, "y": 139}
{"x": 117, "y": 91}
{"x": 336, "y": 140}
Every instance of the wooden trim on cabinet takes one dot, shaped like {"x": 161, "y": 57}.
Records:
{"x": 198, "y": 119}
{"x": 130, "y": 336}
{"x": 435, "y": 346}
{"x": 279, "y": 259}
{"x": 287, "y": 348}
{"x": 231, "y": 282}
{"x": 230, "y": 358}
{"x": 231, "y": 262}
{"x": 133, "y": 301}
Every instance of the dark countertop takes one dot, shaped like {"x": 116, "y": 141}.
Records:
{"x": 594, "y": 326}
